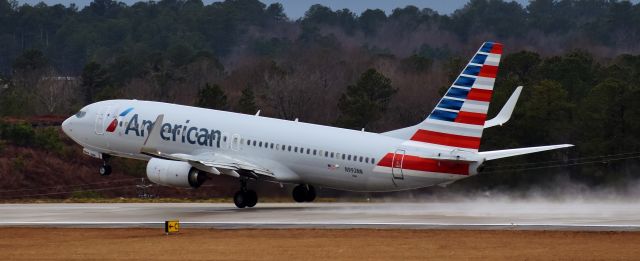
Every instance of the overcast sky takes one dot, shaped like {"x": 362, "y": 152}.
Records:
{"x": 296, "y": 8}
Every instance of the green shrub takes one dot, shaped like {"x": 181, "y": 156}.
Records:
{"x": 18, "y": 163}
{"x": 20, "y": 134}
{"x": 48, "y": 139}
{"x": 3, "y": 130}
{"x": 86, "y": 194}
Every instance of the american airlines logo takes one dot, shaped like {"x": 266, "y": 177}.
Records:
{"x": 184, "y": 133}
{"x": 114, "y": 123}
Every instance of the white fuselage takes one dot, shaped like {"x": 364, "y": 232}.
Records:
{"x": 316, "y": 154}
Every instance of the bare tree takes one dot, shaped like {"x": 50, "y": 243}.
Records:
{"x": 54, "y": 92}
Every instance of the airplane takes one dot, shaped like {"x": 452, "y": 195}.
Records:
{"x": 185, "y": 146}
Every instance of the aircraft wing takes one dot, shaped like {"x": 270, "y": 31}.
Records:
{"x": 215, "y": 163}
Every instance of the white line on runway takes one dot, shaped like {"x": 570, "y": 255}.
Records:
{"x": 333, "y": 225}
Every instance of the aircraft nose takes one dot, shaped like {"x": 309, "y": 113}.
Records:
{"x": 67, "y": 126}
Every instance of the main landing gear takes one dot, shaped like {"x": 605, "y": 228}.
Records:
{"x": 244, "y": 197}
{"x": 304, "y": 193}
{"x": 105, "y": 169}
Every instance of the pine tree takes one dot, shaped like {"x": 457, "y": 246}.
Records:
{"x": 366, "y": 101}
{"x": 247, "y": 103}
{"x": 213, "y": 97}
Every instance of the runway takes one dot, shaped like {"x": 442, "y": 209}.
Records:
{"x": 489, "y": 215}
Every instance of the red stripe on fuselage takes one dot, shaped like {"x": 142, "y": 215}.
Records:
{"x": 446, "y": 139}
{"x": 471, "y": 118}
{"x": 425, "y": 164}
{"x": 479, "y": 95}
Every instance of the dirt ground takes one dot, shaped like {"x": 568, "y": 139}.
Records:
{"x": 313, "y": 244}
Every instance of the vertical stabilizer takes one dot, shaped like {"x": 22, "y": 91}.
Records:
{"x": 458, "y": 119}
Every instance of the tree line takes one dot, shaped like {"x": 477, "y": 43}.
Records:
{"x": 578, "y": 61}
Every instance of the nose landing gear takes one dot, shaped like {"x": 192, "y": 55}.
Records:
{"x": 304, "y": 193}
{"x": 105, "y": 169}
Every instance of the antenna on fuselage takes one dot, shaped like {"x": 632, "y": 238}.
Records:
{"x": 296, "y": 120}
{"x": 258, "y": 113}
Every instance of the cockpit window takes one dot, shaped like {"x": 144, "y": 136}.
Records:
{"x": 81, "y": 114}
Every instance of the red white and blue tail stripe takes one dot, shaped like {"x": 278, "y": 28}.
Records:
{"x": 458, "y": 119}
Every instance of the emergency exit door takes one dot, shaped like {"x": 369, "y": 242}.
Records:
{"x": 396, "y": 164}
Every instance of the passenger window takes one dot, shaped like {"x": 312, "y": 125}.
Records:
{"x": 331, "y": 154}
{"x": 373, "y": 161}
{"x": 308, "y": 151}
{"x": 343, "y": 156}
{"x": 295, "y": 149}
{"x": 271, "y": 146}
{"x": 277, "y": 146}
{"x": 314, "y": 152}
{"x": 289, "y": 147}
{"x": 254, "y": 143}
{"x": 248, "y": 142}
{"x": 349, "y": 157}
{"x": 225, "y": 139}
{"x": 366, "y": 160}
{"x": 260, "y": 144}
{"x": 360, "y": 158}
{"x": 326, "y": 154}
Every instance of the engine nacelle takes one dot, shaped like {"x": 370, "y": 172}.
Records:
{"x": 174, "y": 173}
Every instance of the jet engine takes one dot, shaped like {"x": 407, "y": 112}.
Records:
{"x": 175, "y": 173}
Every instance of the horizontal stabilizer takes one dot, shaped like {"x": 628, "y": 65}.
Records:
{"x": 505, "y": 113}
{"x": 498, "y": 154}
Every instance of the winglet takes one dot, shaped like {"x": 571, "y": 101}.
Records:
{"x": 505, "y": 113}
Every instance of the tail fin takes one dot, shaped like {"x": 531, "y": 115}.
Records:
{"x": 458, "y": 119}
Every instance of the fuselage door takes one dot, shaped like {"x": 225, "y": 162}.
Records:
{"x": 396, "y": 164}
{"x": 235, "y": 142}
{"x": 100, "y": 118}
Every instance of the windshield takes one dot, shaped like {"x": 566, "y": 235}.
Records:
{"x": 81, "y": 114}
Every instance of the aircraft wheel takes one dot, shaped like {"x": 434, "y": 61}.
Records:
{"x": 240, "y": 199}
{"x": 105, "y": 170}
{"x": 251, "y": 198}
{"x": 311, "y": 194}
{"x": 300, "y": 193}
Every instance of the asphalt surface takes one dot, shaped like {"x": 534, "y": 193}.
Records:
{"x": 499, "y": 215}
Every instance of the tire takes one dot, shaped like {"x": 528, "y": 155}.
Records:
{"x": 311, "y": 194}
{"x": 105, "y": 170}
{"x": 300, "y": 193}
{"x": 240, "y": 199}
{"x": 251, "y": 198}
